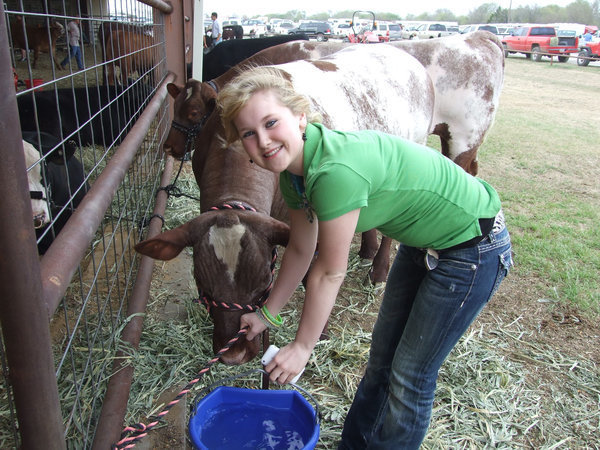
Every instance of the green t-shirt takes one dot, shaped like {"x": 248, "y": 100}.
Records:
{"x": 407, "y": 191}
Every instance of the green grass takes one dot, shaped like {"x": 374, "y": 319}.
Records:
{"x": 541, "y": 156}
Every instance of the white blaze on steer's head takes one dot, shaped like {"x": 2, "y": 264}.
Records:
{"x": 227, "y": 246}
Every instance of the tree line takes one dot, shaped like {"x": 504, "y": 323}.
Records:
{"x": 580, "y": 11}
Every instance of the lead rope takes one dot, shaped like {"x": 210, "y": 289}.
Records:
{"x": 133, "y": 434}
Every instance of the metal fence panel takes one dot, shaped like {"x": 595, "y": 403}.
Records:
{"x": 79, "y": 121}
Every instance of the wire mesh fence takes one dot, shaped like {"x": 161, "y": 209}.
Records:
{"x": 76, "y": 114}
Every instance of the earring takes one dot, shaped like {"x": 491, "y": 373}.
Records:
{"x": 251, "y": 162}
{"x": 304, "y": 137}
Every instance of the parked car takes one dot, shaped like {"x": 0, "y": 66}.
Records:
{"x": 229, "y": 22}
{"x": 486, "y": 27}
{"x": 283, "y": 27}
{"x": 452, "y": 30}
{"x": 254, "y": 28}
{"x": 321, "y": 31}
{"x": 538, "y": 41}
{"x": 387, "y": 31}
{"x": 431, "y": 30}
{"x": 504, "y": 31}
{"x": 589, "y": 50}
{"x": 342, "y": 30}
{"x": 409, "y": 33}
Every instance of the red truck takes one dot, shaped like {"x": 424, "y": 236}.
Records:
{"x": 589, "y": 52}
{"x": 538, "y": 41}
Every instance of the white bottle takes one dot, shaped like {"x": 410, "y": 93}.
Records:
{"x": 270, "y": 354}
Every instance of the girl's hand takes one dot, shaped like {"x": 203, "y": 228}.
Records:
{"x": 288, "y": 363}
{"x": 255, "y": 325}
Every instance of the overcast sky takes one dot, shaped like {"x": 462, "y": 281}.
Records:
{"x": 252, "y": 8}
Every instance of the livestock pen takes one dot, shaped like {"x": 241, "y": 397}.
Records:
{"x": 74, "y": 290}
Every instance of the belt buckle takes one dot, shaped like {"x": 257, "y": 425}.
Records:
{"x": 431, "y": 258}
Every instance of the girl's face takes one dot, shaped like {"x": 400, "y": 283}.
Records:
{"x": 271, "y": 133}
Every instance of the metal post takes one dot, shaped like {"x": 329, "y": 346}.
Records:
{"x": 175, "y": 26}
{"x": 22, "y": 311}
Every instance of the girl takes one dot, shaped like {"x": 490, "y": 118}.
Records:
{"x": 455, "y": 248}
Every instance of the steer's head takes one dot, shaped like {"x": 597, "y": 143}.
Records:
{"x": 233, "y": 252}
{"x": 194, "y": 103}
{"x": 57, "y": 29}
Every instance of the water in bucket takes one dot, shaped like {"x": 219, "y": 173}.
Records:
{"x": 248, "y": 426}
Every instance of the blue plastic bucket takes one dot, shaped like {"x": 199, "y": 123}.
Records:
{"x": 231, "y": 418}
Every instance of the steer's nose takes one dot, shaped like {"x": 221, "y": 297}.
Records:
{"x": 39, "y": 221}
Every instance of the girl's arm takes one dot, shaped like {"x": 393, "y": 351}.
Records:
{"x": 295, "y": 263}
{"x": 324, "y": 281}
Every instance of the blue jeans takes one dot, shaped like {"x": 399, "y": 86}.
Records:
{"x": 74, "y": 51}
{"x": 422, "y": 316}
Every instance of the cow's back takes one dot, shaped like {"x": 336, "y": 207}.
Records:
{"x": 468, "y": 74}
{"x": 228, "y": 53}
{"x": 368, "y": 87}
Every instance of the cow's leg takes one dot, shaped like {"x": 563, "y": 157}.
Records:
{"x": 368, "y": 244}
{"x": 36, "y": 53}
{"x": 56, "y": 60}
{"x": 111, "y": 77}
{"x": 381, "y": 262}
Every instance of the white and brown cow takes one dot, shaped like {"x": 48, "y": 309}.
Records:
{"x": 467, "y": 71}
{"x": 389, "y": 91}
{"x": 37, "y": 191}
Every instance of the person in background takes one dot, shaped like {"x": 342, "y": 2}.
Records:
{"x": 587, "y": 37}
{"x": 73, "y": 37}
{"x": 217, "y": 32}
{"x": 454, "y": 254}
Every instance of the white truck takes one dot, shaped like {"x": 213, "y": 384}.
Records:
{"x": 432, "y": 30}
{"x": 254, "y": 28}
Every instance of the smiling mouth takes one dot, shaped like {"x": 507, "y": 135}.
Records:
{"x": 272, "y": 153}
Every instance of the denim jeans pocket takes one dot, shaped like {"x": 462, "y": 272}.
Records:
{"x": 504, "y": 265}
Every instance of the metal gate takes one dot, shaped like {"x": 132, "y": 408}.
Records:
{"x": 73, "y": 288}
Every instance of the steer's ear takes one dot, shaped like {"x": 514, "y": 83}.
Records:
{"x": 173, "y": 89}
{"x": 279, "y": 233}
{"x": 208, "y": 96}
{"x": 165, "y": 246}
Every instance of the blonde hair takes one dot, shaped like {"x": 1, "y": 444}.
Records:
{"x": 236, "y": 94}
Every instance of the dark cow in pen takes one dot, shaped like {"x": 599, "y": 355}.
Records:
{"x": 233, "y": 248}
{"x": 89, "y": 115}
{"x": 230, "y": 53}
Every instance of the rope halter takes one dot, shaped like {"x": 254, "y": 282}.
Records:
{"x": 190, "y": 132}
{"x": 194, "y": 130}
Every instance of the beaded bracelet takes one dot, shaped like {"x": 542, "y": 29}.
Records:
{"x": 263, "y": 319}
{"x": 267, "y": 318}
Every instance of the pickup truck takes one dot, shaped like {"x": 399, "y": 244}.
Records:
{"x": 590, "y": 51}
{"x": 538, "y": 41}
{"x": 432, "y": 30}
{"x": 254, "y": 28}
